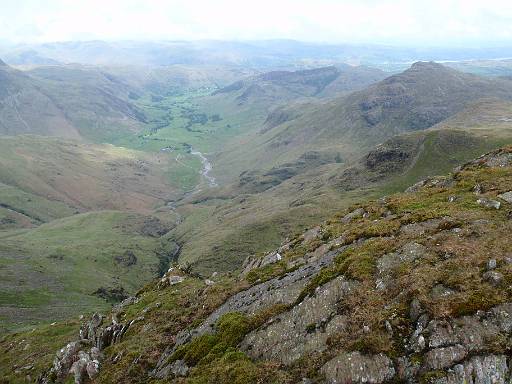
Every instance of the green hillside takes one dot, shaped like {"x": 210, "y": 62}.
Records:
{"x": 78, "y": 264}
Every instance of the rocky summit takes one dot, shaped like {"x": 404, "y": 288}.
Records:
{"x": 411, "y": 288}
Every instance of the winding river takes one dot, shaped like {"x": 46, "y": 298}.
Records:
{"x": 207, "y": 167}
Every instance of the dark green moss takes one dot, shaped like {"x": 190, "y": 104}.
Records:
{"x": 232, "y": 327}
{"x": 233, "y": 367}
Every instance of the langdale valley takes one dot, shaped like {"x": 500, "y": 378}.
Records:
{"x": 258, "y": 206}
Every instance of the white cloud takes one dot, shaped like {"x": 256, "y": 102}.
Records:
{"x": 434, "y": 22}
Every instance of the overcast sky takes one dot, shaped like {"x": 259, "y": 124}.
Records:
{"x": 397, "y": 22}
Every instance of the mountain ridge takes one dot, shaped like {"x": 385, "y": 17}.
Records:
{"x": 416, "y": 99}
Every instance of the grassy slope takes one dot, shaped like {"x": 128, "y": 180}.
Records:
{"x": 52, "y": 259}
{"x": 28, "y": 209}
{"x": 81, "y": 176}
{"x": 219, "y": 234}
{"x": 50, "y": 272}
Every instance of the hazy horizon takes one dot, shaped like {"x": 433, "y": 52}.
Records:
{"x": 399, "y": 23}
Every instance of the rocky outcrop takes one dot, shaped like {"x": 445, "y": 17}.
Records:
{"x": 280, "y": 290}
{"x": 82, "y": 358}
{"x": 304, "y": 329}
{"x": 490, "y": 369}
{"x": 260, "y": 262}
{"x": 389, "y": 262}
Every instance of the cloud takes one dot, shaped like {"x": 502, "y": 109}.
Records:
{"x": 434, "y": 22}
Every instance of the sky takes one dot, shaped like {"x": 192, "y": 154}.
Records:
{"x": 393, "y": 22}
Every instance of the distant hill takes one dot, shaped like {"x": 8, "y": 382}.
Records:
{"x": 282, "y": 86}
{"x": 84, "y": 177}
{"x": 263, "y": 54}
{"x": 71, "y": 102}
{"x": 416, "y": 99}
{"x": 177, "y": 78}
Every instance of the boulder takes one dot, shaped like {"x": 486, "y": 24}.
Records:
{"x": 491, "y": 264}
{"x": 253, "y": 262}
{"x": 488, "y": 203}
{"x": 173, "y": 279}
{"x": 441, "y": 358}
{"x": 82, "y": 358}
{"x": 79, "y": 367}
{"x": 415, "y": 310}
{"x": 494, "y": 278}
{"x": 93, "y": 369}
{"x": 355, "y": 214}
{"x": 65, "y": 358}
{"x": 312, "y": 234}
{"x": 439, "y": 291}
{"x": 179, "y": 368}
{"x": 507, "y": 196}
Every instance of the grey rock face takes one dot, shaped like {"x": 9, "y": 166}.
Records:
{"x": 460, "y": 346}
{"x": 438, "y": 181}
{"x": 416, "y": 187}
{"x": 305, "y": 328}
{"x": 65, "y": 358}
{"x": 79, "y": 367}
{"x": 93, "y": 369}
{"x": 253, "y": 262}
{"x": 440, "y": 290}
{"x": 389, "y": 262}
{"x": 357, "y": 368}
{"x": 415, "y": 310}
{"x": 422, "y": 228}
{"x": 441, "y": 358}
{"x": 281, "y": 290}
{"x": 499, "y": 160}
{"x": 312, "y": 234}
{"x": 173, "y": 280}
{"x": 490, "y": 369}
{"x": 179, "y": 368}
